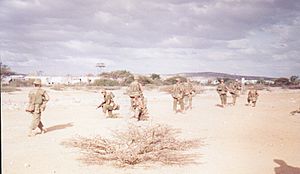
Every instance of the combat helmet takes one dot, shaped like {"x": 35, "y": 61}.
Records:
{"x": 37, "y": 82}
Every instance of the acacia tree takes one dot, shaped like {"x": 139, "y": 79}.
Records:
{"x": 293, "y": 79}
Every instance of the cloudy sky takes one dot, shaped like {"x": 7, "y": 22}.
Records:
{"x": 251, "y": 37}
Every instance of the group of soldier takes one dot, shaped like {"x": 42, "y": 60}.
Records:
{"x": 234, "y": 89}
{"x": 137, "y": 101}
{"x": 182, "y": 94}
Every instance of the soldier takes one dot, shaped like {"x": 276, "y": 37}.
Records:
{"x": 252, "y": 96}
{"x": 189, "y": 92}
{"x": 222, "y": 90}
{"x": 178, "y": 94}
{"x": 140, "y": 108}
{"x": 108, "y": 105}
{"x": 38, "y": 98}
{"x": 134, "y": 90}
{"x": 234, "y": 90}
{"x": 137, "y": 99}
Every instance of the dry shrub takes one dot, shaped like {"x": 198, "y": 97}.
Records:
{"x": 137, "y": 145}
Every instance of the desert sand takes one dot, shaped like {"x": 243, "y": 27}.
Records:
{"x": 235, "y": 140}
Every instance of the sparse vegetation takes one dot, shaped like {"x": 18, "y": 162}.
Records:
{"x": 119, "y": 74}
{"x": 9, "y": 89}
{"x": 21, "y": 83}
{"x": 282, "y": 81}
{"x": 106, "y": 82}
{"x": 137, "y": 145}
{"x": 172, "y": 80}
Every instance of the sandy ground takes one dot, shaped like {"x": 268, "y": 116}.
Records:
{"x": 236, "y": 140}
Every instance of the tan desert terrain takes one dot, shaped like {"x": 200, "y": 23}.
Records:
{"x": 236, "y": 140}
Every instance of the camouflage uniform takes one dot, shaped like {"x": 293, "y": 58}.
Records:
{"x": 38, "y": 98}
{"x": 222, "y": 90}
{"x": 178, "y": 94}
{"x": 135, "y": 90}
{"x": 137, "y": 100}
{"x": 140, "y": 108}
{"x": 252, "y": 97}
{"x": 234, "y": 90}
{"x": 108, "y": 105}
{"x": 188, "y": 95}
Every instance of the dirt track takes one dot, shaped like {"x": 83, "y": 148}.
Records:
{"x": 237, "y": 140}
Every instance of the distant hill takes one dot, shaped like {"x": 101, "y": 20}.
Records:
{"x": 223, "y": 75}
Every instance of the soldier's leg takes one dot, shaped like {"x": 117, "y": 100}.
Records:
{"x": 131, "y": 103}
{"x": 190, "y": 101}
{"x": 234, "y": 98}
{"x": 186, "y": 100}
{"x": 104, "y": 109}
{"x": 181, "y": 103}
{"x": 36, "y": 118}
{"x": 41, "y": 127}
{"x": 225, "y": 99}
{"x": 222, "y": 100}
{"x": 137, "y": 113}
{"x": 248, "y": 100}
{"x": 109, "y": 110}
{"x": 174, "y": 104}
{"x": 110, "y": 113}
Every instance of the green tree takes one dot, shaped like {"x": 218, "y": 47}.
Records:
{"x": 155, "y": 76}
{"x": 293, "y": 79}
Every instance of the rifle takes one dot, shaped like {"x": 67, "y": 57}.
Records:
{"x": 101, "y": 105}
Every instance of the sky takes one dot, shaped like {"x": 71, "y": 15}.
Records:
{"x": 60, "y": 37}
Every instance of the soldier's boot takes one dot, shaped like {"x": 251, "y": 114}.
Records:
{"x": 41, "y": 127}
{"x": 43, "y": 130}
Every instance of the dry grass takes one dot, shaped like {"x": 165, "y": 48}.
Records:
{"x": 137, "y": 145}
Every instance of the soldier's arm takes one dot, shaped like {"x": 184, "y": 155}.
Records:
{"x": 30, "y": 97}
{"x": 141, "y": 87}
{"x": 46, "y": 97}
{"x": 108, "y": 100}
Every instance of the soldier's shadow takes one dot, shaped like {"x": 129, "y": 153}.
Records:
{"x": 59, "y": 127}
{"x": 284, "y": 168}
